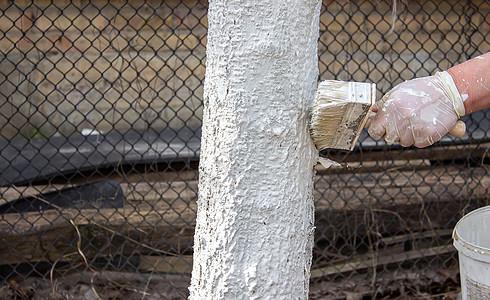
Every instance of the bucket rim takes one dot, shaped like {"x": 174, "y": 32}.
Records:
{"x": 465, "y": 246}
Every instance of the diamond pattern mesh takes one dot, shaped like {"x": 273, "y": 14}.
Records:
{"x": 100, "y": 115}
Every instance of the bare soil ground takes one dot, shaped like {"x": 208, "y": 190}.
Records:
{"x": 442, "y": 284}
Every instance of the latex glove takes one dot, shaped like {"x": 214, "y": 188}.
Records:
{"x": 418, "y": 112}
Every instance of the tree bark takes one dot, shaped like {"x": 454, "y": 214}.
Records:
{"x": 254, "y": 231}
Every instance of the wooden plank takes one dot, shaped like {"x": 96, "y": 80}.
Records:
{"x": 348, "y": 191}
{"x": 166, "y": 264}
{"x": 380, "y": 204}
{"x": 412, "y": 158}
{"x": 395, "y": 203}
{"x": 58, "y": 235}
{"x": 415, "y": 236}
{"x": 372, "y": 260}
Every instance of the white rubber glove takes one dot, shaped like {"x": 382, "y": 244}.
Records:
{"x": 418, "y": 112}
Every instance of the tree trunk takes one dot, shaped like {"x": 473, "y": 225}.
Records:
{"x": 254, "y": 231}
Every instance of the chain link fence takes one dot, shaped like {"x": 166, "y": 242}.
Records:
{"x": 100, "y": 114}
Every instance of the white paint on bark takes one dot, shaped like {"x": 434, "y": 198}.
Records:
{"x": 254, "y": 231}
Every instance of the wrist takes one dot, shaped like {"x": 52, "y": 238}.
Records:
{"x": 452, "y": 92}
{"x": 473, "y": 82}
{"x": 461, "y": 85}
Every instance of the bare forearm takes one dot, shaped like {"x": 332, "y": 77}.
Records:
{"x": 472, "y": 78}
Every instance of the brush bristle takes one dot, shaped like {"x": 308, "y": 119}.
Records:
{"x": 339, "y": 113}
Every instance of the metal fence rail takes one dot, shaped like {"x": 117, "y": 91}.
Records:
{"x": 100, "y": 114}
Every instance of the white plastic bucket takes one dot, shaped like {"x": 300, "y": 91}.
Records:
{"x": 472, "y": 239}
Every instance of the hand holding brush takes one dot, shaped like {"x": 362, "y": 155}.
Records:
{"x": 421, "y": 111}
{"x": 416, "y": 112}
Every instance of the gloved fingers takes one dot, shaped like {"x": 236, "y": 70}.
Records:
{"x": 392, "y": 137}
{"x": 406, "y": 140}
{"x": 416, "y": 112}
{"x": 423, "y": 141}
{"x": 442, "y": 129}
{"x": 378, "y": 122}
{"x": 432, "y": 133}
{"x": 377, "y": 129}
{"x": 407, "y": 137}
{"x": 369, "y": 120}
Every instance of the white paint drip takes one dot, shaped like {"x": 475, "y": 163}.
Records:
{"x": 412, "y": 92}
{"x": 327, "y": 163}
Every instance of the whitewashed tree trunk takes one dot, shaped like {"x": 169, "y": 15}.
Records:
{"x": 254, "y": 231}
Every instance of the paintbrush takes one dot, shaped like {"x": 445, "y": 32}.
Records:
{"x": 340, "y": 111}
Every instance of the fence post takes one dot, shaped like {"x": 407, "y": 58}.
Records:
{"x": 254, "y": 231}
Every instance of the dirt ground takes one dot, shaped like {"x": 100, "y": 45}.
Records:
{"x": 440, "y": 284}
{"x": 99, "y": 285}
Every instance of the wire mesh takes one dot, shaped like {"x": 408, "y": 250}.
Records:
{"x": 100, "y": 115}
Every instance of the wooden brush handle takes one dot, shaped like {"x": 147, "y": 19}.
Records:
{"x": 459, "y": 129}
